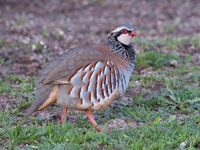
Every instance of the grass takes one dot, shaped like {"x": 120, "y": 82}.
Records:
{"x": 159, "y": 134}
{"x": 168, "y": 42}
{"x": 170, "y": 26}
{"x": 1, "y": 42}
{"x": 45, "y": 32}
{"x": 16, "y": 44}
{"x": 165, "y": 108}
{"x": 20, "y": 87}
{"x": 20, "y": 20}
{"x": 155, "y": 59}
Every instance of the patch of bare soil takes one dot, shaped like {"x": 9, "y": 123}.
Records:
{"x": 6, "y": 102}
{"x": 63, "y": 24}
{"x": 120, "y": 123}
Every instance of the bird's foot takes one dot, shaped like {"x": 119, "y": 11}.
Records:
{"x": 63, "y": 115}
{"x": 89, "y": 114}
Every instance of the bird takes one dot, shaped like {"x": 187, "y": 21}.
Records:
{"x": 88, "y": 78}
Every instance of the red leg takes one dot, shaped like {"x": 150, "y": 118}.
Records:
{"x": 89, "y": 114}
{"x": 63, "y": 114}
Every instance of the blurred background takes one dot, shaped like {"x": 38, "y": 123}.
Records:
{"x": 33, "y": 31}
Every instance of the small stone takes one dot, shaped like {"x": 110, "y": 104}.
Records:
{"x": 60, "y": 32}
{"x": 183, "y": 144}
{"x": 42, "y": 43}
{"x": 67, "y": 140}
{"x": 174, "y": 63}
{"x": 33, "y": 47}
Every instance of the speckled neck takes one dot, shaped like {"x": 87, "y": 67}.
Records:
{"x": 126, "y": 51}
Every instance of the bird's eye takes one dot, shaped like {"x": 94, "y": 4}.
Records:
{"x": 124, "y": 31}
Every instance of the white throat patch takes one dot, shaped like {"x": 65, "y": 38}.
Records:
{"x": 124, "y": 39}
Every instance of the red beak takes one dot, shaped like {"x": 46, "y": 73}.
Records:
{"x": 133, "y": 33}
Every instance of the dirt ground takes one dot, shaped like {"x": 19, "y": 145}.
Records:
{"x": 35, "y": 31}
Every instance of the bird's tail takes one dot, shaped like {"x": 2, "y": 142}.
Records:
{"x": 39, "y": 104}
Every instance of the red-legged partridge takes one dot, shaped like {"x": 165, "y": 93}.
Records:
{"x": 88, "y": 78}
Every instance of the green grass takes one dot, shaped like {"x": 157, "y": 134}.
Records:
{"x": 16, "y": 44}
{"x": 170, "y": 26}
{"x": 20, "y": 87}
{"x": 2, "y": 60}
{"x": 159, "y": 134}
{"x": 155, "y": 59}
{"x": 168, "y": 42}
{"x": 196, "y": 41}
{"x": 1, "y": 42}
{"x": 20, "y": 20}
{"x": 165, "y": 105}
{"x": 45, "y": 32}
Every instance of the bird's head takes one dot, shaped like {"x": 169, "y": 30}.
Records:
{"x": 124, "y": 33}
